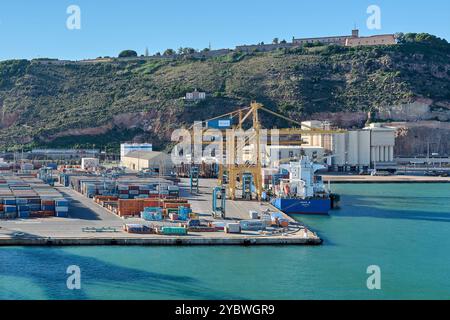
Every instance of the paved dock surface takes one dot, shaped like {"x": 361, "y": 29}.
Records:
{"x": 235, "y": 210}
{"x": 85, "y": 213}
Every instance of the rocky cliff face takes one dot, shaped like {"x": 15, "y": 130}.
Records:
{"x": 421, "y": 109}
{"x": 416, "y": 138}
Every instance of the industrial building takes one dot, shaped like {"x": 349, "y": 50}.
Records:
{"x": 273, "y": 155}
{"x": 154, "y": 161}
{"x": 321, "y": 140}
{"x": 282, "y": 154}
{"x": 126, "y": 148}
{"x": 356, "y": 150}
{"x": 64, "y": 153}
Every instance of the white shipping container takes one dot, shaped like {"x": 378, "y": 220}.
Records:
{"x": 27, "y": 166}
{"x": 233, "y": 228}
{"x": 87, "y": 163}
{"x": 218, "y": 224}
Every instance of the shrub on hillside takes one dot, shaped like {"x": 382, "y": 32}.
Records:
{"x": 128, "y": 54}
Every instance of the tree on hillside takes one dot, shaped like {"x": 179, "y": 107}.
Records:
{"x": 420, "y": 38}
{"x": 283, "y": 41}
{"x": 169, "y": 52}
{"x": 188, "y": 50}
{"x": 128, "y": 54}
{"x": 275, "y": 41}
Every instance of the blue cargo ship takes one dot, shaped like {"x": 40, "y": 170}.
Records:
{"x": 303, "y": 206}
{"x": 304, "y": 192}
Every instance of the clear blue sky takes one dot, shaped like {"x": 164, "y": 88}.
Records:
{"x": 32, "y": 29}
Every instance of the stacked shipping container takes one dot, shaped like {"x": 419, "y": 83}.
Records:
{"x": 124, "y": 187}
{"x": 26, "y": 196}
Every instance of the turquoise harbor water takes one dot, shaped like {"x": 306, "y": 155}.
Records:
{"x": 402, "y": 228}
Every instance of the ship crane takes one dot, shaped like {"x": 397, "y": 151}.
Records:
{"x": 236, "y": 170}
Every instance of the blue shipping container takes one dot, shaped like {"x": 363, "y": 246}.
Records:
{"x": 225, "y": 123}
{"x": 35, "y": 207}
{"x": 62, "y": 203}
{"x": 194, "y": 223}
{"x": 24, "y": 214}
{"x": 9, "y": 209}
{"x": 183, "y": 213}
{"x": 53, "y": 166}
{"x": 9, "y": 201}
{"x": 151, "y": 216}
{"x": 62, "y": 214}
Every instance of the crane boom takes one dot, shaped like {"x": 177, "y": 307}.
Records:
{"x": 236, "y": 170}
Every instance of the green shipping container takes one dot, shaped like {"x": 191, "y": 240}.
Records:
{"x": 173, "y": 230}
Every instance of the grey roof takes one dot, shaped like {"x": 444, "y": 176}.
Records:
{"x": 145, "y": 155}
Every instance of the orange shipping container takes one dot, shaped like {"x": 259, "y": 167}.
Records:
{"x": 128, "y": 207}
{"x": 105, "y": 198}
{"x": 284, "y": 223}
{"x": 152, "y": 203}
{"x": 171, "y": 205}
{"x": 176, "y": 200}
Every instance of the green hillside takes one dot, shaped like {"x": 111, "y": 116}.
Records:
{"x": 49, "y": 103}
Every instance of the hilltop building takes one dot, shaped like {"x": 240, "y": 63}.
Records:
{"x": 195, "y": 96}
{"x": 378, "y": 40}
{"x": 338, "y": 40}
{"x": 352, "y": 40}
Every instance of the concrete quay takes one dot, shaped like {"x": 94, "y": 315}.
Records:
{"x": 156, "y": 240}
{"x": 85, "y": 213}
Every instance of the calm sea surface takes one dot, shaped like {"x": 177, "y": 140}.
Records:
{"x": 402, "y": 228}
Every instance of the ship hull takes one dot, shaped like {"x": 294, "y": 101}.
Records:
{"x": 303, "y": 206}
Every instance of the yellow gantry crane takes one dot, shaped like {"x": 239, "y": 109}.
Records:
{"x": 236, "y": 169}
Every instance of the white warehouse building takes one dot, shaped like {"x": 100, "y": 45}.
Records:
{"x": 126, "y": 148}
